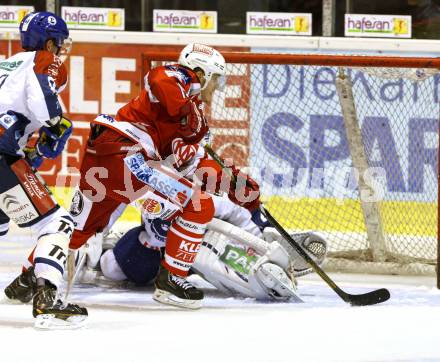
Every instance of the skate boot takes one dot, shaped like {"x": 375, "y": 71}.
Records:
{"x": 51, "y": 313}
{"x": 23, "y": 287}
{"x": 175, "y": 290}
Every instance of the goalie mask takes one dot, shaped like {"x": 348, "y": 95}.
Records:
{"x": 208, "y": 59}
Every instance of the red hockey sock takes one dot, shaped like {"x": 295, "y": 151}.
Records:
{"x": 185, "y": 235}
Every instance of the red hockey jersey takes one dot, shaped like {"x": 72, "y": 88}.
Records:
{"x": 168, "y": 108}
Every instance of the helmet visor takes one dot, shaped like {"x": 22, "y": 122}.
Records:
{"x": 221, "y": 83}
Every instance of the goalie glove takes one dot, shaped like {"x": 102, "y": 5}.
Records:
{"x": 314, "y": 244}
{"x": 51, "y": 140}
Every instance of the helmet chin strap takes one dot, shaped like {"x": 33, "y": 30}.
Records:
{"x": 207, "y": 80}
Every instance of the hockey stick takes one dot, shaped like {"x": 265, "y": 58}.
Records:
{"x": 373, "y": 297}
{"x": 73, "y": 272}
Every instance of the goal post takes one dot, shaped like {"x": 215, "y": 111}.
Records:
{"x": 345, "y": 145}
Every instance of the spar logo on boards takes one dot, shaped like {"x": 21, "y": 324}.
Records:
{"x": 385, "y": 26}
{"x": 279, "y": 23}
{"x": 185, "y": 21}
{"x": 11, "y": 16}
{"x": 93, "y": 18}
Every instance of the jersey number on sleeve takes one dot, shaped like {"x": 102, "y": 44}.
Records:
{"x": 3, "y": 79}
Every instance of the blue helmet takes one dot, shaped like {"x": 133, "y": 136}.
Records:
{"x": 37, "y": 28}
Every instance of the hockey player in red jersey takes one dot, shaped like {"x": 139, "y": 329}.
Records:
{"x": 150, "y": 150}
{"x": 29, "y": 85}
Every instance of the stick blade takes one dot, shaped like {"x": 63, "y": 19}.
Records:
{"x": 374, "y": 297}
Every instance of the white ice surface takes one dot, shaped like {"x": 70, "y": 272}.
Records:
{"x": 127, "y": 325}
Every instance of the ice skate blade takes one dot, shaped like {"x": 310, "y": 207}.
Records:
{"x": 165, "y": 297}
{"x": 49, "y": 321}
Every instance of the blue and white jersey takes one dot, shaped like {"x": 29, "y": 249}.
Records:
{"x": 29, "y": 87}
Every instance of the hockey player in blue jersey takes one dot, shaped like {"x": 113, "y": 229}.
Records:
{"x": 29, "y": 85}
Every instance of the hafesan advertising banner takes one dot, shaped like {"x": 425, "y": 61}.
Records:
{"x": 93, "y": 18}
{"x": 382, "y": 26}
{"x": 279, "y": 23}
{"x": 11, "y": 16}
{"x": 185, "y": 21}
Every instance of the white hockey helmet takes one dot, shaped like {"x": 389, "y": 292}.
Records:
{"x": 206, "y": 58}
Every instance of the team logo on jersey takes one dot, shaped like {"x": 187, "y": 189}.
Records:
{"x": 7, "y": 120}
{"x": 183, "y": 153}
{"x": 77, "y": 204}
{"x": 160, "y": 228}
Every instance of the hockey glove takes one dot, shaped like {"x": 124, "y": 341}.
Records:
{"x": 210, "y": 174}
{"x": 260, "y": 220}
{"x": 33, "y": 157}
{"x": 194, "y": 125}
{"x": 52, "y": 140}
{"x": 245, "y": 191}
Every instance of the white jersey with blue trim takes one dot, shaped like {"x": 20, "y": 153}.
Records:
{"x": 29, "y": 86}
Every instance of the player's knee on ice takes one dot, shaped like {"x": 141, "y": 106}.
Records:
{"x": 138, "y": 263}
{"x": 110, "y": 267}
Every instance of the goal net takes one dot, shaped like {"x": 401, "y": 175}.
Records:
{"x": 346, "y": 146}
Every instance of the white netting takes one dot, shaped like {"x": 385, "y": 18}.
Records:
{"x": 285, "y": 123}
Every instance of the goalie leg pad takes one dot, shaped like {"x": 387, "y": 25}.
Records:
{"x": 271, "y": 280}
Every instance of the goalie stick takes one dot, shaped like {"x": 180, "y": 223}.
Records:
{"x": 373, "y": 297}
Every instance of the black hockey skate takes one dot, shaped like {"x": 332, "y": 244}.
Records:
{"x": 23, "y": 287}
{"x": 174, "y": 290}
{"x": 51, "y": 313}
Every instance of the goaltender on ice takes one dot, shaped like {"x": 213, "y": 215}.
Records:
{"x": 29, "y": 85}
{"x": 241, "y": 254}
